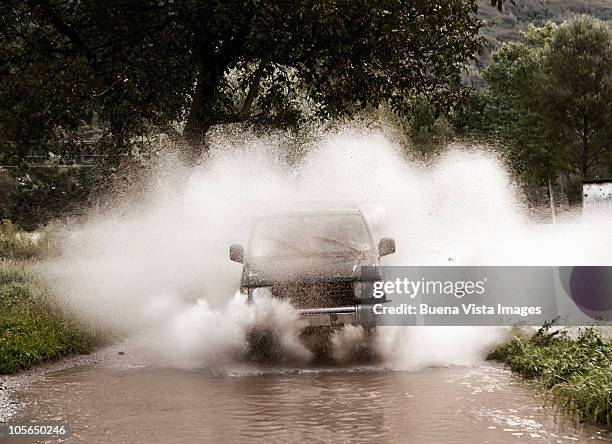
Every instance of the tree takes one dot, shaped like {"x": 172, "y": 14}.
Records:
{"x": 549, "y": 100}
{"x": 578, "y": 90}
{"x": 428, "y": 133}
{"x": 152, "y": 63}
{"x": 499, "y": 3}
{"x": 515, "y": 78}
{"x": 64, "y": 64}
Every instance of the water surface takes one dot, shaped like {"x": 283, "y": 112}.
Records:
{"x": 481, "y": 404}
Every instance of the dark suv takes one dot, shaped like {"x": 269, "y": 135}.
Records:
{"x": 313, "y": 257}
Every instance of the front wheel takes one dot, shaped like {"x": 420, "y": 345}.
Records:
{"x": 318, "y": 340}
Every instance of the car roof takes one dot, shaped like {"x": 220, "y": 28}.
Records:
{"x": 315, "y": 207}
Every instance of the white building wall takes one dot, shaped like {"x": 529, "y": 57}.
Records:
{"x": 596, "y": 196}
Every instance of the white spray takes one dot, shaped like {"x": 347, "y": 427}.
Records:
{"x": 160, "y": 268}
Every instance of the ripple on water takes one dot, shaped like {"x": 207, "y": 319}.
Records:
{"x": 456, "y": 404}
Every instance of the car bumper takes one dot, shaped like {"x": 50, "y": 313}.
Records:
{"x": 338, "y": 316}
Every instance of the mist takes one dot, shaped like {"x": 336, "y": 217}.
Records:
{"x": 158, "y": 268}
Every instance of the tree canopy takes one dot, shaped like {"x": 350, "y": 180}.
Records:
{"x": 160, "y": 63}
{"x": 549, "y": 100}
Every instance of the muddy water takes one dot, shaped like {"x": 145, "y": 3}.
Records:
{"x": 482, "y": 404}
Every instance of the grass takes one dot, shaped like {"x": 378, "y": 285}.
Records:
{"x": 33, "y": 326}
{"x": 575, "y": 371}
{"x": 17, "y": 244}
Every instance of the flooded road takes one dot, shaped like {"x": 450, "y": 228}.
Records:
{"x": 479, "y": 404}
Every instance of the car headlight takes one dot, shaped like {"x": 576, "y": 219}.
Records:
{"x": 357, "y": 290}
{"x": 260, "y": 293}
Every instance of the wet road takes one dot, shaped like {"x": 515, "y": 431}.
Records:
{"x": 481, "y": 404}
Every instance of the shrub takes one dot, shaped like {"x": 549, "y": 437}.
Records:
{"x": 23, "y": 245}
{"x": 33, "y": 327}
{"x": 577, "y": 372}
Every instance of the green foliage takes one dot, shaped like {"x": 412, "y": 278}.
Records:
{"x": 64, "y": 64}
{"x": 576, "y": 372}
{"x": 134, "y": 64}
{"x": 515, "y": 78}
{"x": 31, "y": 197}
{"x": 32, "y": 326}
{"x": 21, "y": 245}
{"x": 8, "y": 190}
{"x": 578, "y": 91}
{"x": 16, "y": 244}
{"x": 429, "y": 131}
{"x": 549, "y": 100}
{"x": 498, "y": 4}
{"x": 515, "y": 16}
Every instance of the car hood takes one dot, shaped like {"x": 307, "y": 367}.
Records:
{"x": 267, "y": 271}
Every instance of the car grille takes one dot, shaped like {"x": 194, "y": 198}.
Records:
{"x": 319, "y": 295}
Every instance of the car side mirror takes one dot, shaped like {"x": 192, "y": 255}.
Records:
{"x": 237, "y": 253}
{"x": 386, "y": 246}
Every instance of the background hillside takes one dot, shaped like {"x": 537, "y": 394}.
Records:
{"x": 516, "y": 16}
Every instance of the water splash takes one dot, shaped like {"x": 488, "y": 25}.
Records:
{"x": 159, "y": 267}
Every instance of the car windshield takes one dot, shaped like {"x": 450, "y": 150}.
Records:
{"x": 310, "y": 235}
